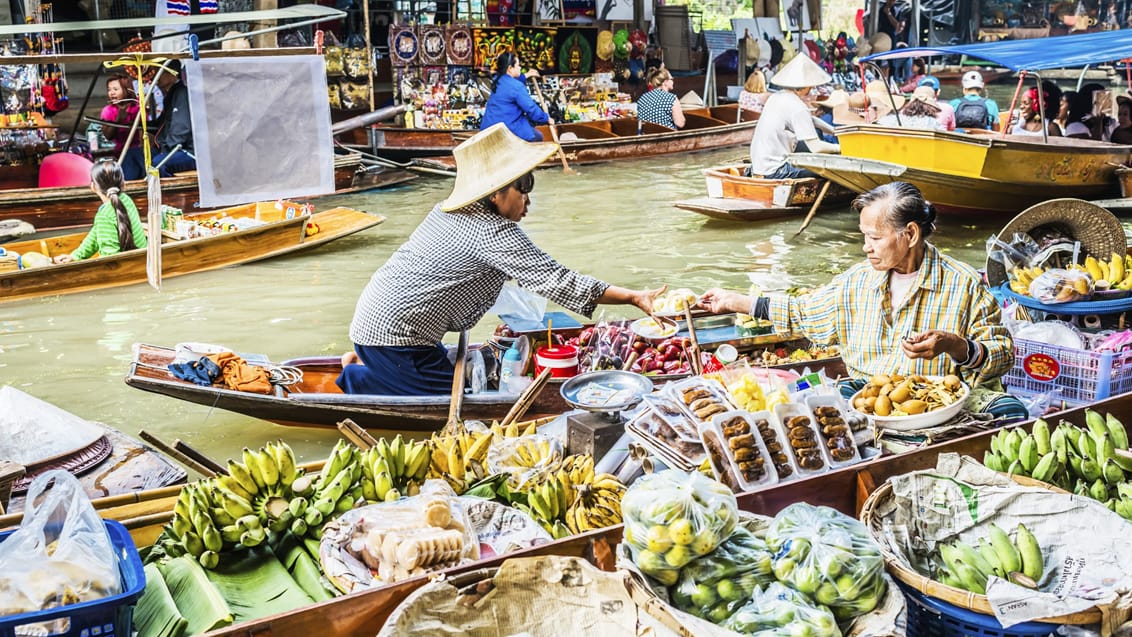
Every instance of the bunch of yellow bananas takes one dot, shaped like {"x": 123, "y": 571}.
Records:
{"x": 1114, "y": 273}
{"x": 597, "y": 504}
{"x": 461, "y": 458}
{"x": 1021, "y": 278}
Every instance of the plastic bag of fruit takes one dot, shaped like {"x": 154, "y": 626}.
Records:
{"x": 780, "y": 611}
{"x": 716, "y": 585}
{"x": 523, "y": 458}
{"x": 828, "y": 556}
{"x": 1061, "y": 286}
{"x": 673, "y": 517}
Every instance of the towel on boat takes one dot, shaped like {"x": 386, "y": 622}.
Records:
{"x": 240, "y": 375}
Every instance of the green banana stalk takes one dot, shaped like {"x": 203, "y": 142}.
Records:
{"x": 1059, "y": 445}
{"x": 1112, "y": 472}
{"x": 1046, "y": 468}
{"x": 1096, "y": 423}
{"x": 1028, "y": 454}
{"x": 992, "y": 461}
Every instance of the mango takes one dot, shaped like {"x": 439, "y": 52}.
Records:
{"x": 913, "y": 406}
{"x": 883, "y": 406}
{"x": 901, "y": 393}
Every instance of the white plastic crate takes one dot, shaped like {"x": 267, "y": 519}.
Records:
{"x": 1078, "y": 376}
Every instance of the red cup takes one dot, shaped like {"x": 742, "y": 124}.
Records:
{"x": 561, "y": 359}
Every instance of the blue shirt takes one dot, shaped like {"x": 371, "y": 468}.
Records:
{"x": 512, "y": 105}
{"x": 992, "y": 107}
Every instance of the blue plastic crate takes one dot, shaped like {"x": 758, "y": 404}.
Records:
{"x": 107, "y": 617}
{"x": 1079, "y": 377}
{"x": 931, "y": 617}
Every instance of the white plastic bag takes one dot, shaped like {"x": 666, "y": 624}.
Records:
{"x": 514, "y": 301}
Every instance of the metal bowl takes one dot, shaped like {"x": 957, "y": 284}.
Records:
{"x": 627, "y": 388}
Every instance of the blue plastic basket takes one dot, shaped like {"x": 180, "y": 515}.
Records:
{"x": 107, "y": 617}
{"x": 931, "y": 617}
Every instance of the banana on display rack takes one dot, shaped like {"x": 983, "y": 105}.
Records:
{"x": 967, "y": 567}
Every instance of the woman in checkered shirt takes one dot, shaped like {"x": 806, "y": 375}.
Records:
{"x": 450, "y": 271}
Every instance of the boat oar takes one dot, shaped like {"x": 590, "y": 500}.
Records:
{"x": 694, "y": 348}
{"x": 814, "y": 208}
{"x": 454, "y": 426}
{"x": 566, "y": 169}
{"x": 361, "y": 438}
{"x": 178, "y": 455}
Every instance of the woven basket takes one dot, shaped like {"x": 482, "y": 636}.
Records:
{"x": 950, "y": 594}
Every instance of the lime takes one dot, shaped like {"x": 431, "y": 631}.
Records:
{"x": 658, "y": 540}
{"x": 681, "y": 531}
{"x": 678, "y": 556}
{"x": 704, "y": 596}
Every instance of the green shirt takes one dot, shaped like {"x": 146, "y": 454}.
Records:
{"x": 103, "y": 236}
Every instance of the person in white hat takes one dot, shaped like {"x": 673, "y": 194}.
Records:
{"x": 450, "y": 271}
{"x": 786, "y": 122}
{"x": 973, "y": 110}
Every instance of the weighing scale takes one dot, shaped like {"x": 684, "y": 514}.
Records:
{"x": 602, "y": 395}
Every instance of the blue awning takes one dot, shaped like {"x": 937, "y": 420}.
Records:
{"x": 1067, "y": 51}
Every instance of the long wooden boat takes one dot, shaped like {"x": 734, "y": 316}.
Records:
{"x": 733, "y": 196}
{"x": 316, "y": 401}
{"x": 968, "y": 174}
{"x": 74, "y": 206}
{"x": 284, "y": 231}
{"x": 364, "y": 612}
{"x": 592, "y": 142}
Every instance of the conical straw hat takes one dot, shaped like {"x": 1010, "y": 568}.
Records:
{"x": 488, "y": 161}
{"x": 801, "y": 72}
{"x": 878, "y": 93}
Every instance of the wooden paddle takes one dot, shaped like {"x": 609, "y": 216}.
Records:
{"x": 694, "y": 349}
{"x": 527, "y": 398}
{"x": 454, "y": 426}
{"x": 814, "y": 208}
{"x": 566, "y": 169}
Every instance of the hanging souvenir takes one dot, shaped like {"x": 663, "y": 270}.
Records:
{"x": 535, "y": 48}
{"x": 490, "y": 43}
{"x": 575, "y": 50}
{"x": 432, "y": 44}
{"x": 604, "y": 52}
{"x": 459, "y": 49}
{"x": 332, "y": 53}
{"x": 403, "y": 45}
{"x": 355, "y": 61}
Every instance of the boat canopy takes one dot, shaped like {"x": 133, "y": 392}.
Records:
{"x": 299, "y": 11}
{"x": 1069, "y": 51}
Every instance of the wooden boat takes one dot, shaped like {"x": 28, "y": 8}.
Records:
{"x": 596, "y": 141}
{"x": 316, "y": 401}
{"x": 362, "y": 613}
{"x": 72, "y": 207}
{"x": 954, "y": 75}
{"x": 732, "y": 196}
{"x": 284, "y": 231}
{"x": 969, "y": 174}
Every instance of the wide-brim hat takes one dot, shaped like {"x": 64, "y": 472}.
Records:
{"x": 489, "y": 160}
{"x": 834, "y": 99}
{"x": 1098, "y": 230}
{"x": 801, "y": 72}
{"x": 878, "y": 93}
{"x": 880, "y": 42}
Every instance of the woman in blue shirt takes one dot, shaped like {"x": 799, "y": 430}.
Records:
{"x": 511, "y": 104}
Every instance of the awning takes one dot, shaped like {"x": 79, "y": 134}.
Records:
{"x": 296, "y": 12}
{"x": 1067, "y": 51}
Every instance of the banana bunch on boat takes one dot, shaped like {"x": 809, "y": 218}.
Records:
{"x": 1082, "y": 460}
{"x": 393, "y": 469}
{"x": 1113, "y": 274}
{"x": 460, "y": 458}
{"x": 568, "y": 498}
{"x": 967, "y": 567}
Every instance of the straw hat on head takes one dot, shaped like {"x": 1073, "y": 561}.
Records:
{"x": 864, "y": 49}
{"x": 877, "y": 92}
{"x": 801, "y": 72}
{"x": 880, "y": 42}
{"x": 925, "y": 94}
{"x": 1098, "y": 230}
{"x": 488, "y": 161}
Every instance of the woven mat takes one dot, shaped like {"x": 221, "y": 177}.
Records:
{"x": 77, "y": 463}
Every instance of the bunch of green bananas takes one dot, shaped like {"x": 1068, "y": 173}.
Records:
{"x": 1082, "y": 460}
{"x": 332, "y": 492}
{"x": 390, "y": 470}
{"x": 969, "y": 568}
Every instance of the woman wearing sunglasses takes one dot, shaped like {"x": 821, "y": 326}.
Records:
{"x": 450, "y": 271}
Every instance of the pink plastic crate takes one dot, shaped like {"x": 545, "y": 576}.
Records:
{"x": 1077, "y": 376}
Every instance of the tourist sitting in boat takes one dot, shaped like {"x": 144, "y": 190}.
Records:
{"x": 920, "y": 112}
{"x": 754, "y": 93}
{"x": 122, "y": 110}
{"x": 450, "y": 271}
{"x": 174, "y": 130}
{"x": 919, "y": 72}
{"x": 658, "y": 104}
{"x": 972, "y": 110}
{"x": 117, "y": 226}
{"x": 823, "y": 120}
{"x": 910, "y": 309}
{"x": 510, "y": 102}
{"x": 1030, "y": 120}
{"x": 946, "y": 116}
{"x": 1062, "y": 119}
{"x": 1122, "y": 134}
{"x": 1087, "y": 118}
{"x": 787, "y": 123}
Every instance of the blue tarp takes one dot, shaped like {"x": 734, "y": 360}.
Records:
{"x": 1068, "y": 51}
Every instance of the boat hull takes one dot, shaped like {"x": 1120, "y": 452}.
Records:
{"x": 733, "y": 196}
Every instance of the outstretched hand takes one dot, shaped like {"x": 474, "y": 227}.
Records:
{"x": 720, "y": 301}
{"x": 644, "y": 298}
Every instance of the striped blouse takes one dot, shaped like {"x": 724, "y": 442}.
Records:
{"x": 103, "y": 236}
{"x": 854, "y": 311}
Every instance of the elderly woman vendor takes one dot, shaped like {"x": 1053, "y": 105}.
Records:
{"x": 450, "y": 271}
{"x": 908, "y": 310}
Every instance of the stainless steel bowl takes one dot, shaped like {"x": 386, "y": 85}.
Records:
{"x": 633, "y": 386}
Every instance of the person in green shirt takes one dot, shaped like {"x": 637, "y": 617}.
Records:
{"x": 117, "y": 226}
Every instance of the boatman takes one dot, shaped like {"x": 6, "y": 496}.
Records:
{"x": 787, "y": 122}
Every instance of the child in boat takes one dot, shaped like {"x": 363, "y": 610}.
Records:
{"x": 122, "y": 109}
{"x": 117, "y": 226}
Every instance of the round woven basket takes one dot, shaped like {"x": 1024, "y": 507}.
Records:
{"x": 950, "y": 594}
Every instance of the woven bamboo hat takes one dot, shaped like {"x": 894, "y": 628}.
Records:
{"x": 488, "y": 161}
{"x": 880, "y": 42}
{"x": 801, "y": 72}
{"x": 1098, "y": 230}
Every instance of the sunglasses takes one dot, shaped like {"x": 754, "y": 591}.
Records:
{"x": 524, "y": 184}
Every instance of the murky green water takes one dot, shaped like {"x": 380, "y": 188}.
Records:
{"x": 614, "y": 221}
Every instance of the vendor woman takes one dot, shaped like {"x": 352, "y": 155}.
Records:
{"x": 450, "y": 271}
{"x": 511, "y": 103}
{"x": 908, "y": 310}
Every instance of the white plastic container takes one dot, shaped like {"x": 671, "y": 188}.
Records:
{"x": 676, "y": 392}
{"x": 671, "y": 412}
{"x": 773, "y": 438}
{"x": 720, "y": 464}
{"x": 784, "y": 412}
{"x": 829, "y": 400}
{"x": 769, "y": 474}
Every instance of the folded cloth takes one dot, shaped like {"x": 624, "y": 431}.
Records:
{"x": 239, "y": 375}
{"x": 202, "y": 372}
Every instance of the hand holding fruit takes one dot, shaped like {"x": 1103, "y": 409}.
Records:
{"x": 644, "y": 298}
{"x": 720, "y": 301}
{"x": 932, "y": 343}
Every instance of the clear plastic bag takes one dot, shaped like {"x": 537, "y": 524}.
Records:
{"x": 1061, "y": 286}
{"x": 523, "y": 458}
{"x": 828, "y": 556}
{"x": 61, "y": 553}
{"x": 673, "y": 517}
{"x": 717, "y": 584}
{"x": 514, "y": 301}
{"x": 781, "y": 612}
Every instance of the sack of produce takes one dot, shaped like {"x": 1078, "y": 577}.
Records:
{"x": 673, "y": 517}
{"x": 61, "y": 554}
{"x": 718, "y": 583}
{"x": 1061, "y": 286}
{"x": 781, "y": 612}
{"x": 828, "y": 556}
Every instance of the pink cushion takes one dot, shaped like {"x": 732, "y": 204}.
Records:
{"x": 64, "y": 169}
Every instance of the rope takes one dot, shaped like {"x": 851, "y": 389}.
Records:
{"x": 284, "y": 374}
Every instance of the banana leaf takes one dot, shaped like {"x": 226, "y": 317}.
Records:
{"x": 196, "y": 598}
{"x": 292, "y": 552}
{"x": 156, "y": 613}
{"x": 256, "y": 584}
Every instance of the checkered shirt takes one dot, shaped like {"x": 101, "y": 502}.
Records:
{"x": 449, "y": 273}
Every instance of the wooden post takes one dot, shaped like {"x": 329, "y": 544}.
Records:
{"x": 269, "y": 40}
{"x": 369, "y": 52}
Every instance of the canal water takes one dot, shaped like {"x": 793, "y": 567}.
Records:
{"x": 614, "y": 221}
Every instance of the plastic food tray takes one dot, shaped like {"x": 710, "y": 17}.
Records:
{"x": 669, "y": 410}
{"x": 784, "y": 412}
{"x": 676, "y": 392}
{"x": 770, "y": 474}
{"x": 777, "y": 435}
{"x": 640, "y": 429}
{"x": 720, "y": 465}
{"x": 828, "y": 400}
